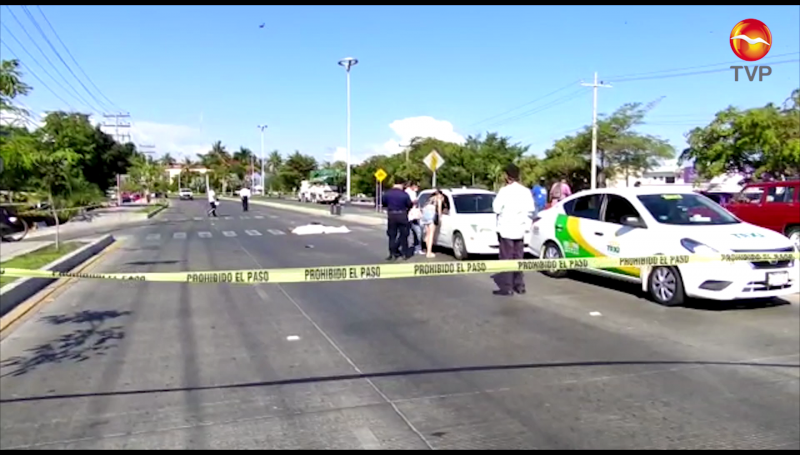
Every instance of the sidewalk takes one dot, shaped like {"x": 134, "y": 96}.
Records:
{"x": 106, "y": 217}
{"x": 11, "y": 250}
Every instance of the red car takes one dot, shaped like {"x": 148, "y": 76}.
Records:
{"x": 771, "y": 205}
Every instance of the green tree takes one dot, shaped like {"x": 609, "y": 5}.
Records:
{"x": 295, "y": 169}
{"x": 12, "y": 86}
{"x": 750, "y": 142}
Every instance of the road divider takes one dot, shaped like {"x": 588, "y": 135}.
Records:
{"x": 408, "y": 270}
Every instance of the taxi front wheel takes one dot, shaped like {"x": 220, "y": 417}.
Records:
{"x": 666, "y": 286}
{"x": 552, "y": 251}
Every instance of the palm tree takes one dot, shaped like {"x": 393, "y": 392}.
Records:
{"x": 168, "y": 160}
{"x": 12, "y": 86}
{"x": 274, "y": 162}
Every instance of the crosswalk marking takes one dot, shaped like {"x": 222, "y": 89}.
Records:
{"x": 229, "y": 233}
{"x": 273, "y": 216}
{"x": 244, "y": 217}
{"x": 275, "y": 232}
{"x": 252, "y": 232}
{"x": 153, "y": 236}
{"x": 258, "y": 217}
{"x": 204, "y": 234}
{"x": 227, "y": 217}
{"x": 198, "y": 218}
{"x": 179, "y": 235}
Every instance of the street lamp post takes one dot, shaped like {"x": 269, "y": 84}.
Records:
{"x": 348, "y": 63}
{"x": 263, "y": 185}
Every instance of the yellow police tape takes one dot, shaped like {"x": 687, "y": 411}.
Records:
{"x": 408, "y": 270}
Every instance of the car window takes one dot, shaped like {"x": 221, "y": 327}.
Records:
{"x": 686, "y": 210}
{"x": 473, "y": 203}
{"x": 584, "y": 207}
{"x": 750, "y": 195}
{"x": 781, "y": 194}
{"x": 617, "y": 208}
{"x": 423, "y": 199}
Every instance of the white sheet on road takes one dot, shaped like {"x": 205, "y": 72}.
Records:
{"x": 311, "y": 229}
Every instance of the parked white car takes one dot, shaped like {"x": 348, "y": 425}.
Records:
{"x": 635, "y": 222}
{"x": 470, "y": 225}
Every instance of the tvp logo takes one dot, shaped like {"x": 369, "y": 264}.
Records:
{"x": 751, "y": 41}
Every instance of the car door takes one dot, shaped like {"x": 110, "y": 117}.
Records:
{"x": 746, "y": 205}
{"x": 447, "y": 223}
{"x": 576, "y": 228}
{"x": 620, "y": 240}
{"x": 779, "y": 208}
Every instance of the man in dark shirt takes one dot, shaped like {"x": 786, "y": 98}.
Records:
{"x": 397, "y": 204}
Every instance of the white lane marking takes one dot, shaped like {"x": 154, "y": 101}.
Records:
{"x": 198, "y": 218}
{"x": 229, "y": 233}
{"x": 244, "y": 217}
{"x": 252, "y": 232}
{"x": 204, "y": 234}
{"x": 227, "y": 217}
{"x": 595, "y": 313}
{"x": 273, "y": 216}
{"x": 275, "y": 232}
{"x": 179, "y": 235}
{"x": 258, "y": 217}
{"x": 292, "y": 338}
{"x": 153, "y": 236}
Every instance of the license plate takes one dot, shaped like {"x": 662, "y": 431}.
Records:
{"x": 777, "y": 279}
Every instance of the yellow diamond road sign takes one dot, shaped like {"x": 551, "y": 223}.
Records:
{"x": 380, "y": 175}
{"x": 434, "y": 161}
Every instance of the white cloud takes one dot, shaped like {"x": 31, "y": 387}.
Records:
{"x": 16, "y": 119}
{"x": 424, "y": 127}
{"x": 177, "y": 140}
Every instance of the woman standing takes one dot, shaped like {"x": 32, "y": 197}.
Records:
{"x": 430, "y": 220}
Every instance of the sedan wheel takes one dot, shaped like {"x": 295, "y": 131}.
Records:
{"x": 666, "y": 286}
{"x": 551, "y": 251}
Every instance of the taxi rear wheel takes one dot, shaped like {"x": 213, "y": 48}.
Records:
{"x": 666, "y": 286}
{"x": 552, "y": 251}
{"x": 459, "y": 247}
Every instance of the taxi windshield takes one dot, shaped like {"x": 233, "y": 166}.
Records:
{"x": 686, "y": 210}
{"x": 473, "y": 203}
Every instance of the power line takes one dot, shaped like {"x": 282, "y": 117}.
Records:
{"x": 571, "y": 84}
{"x": 58, "y": 54}
{"x": 80, "y": 100}
{"x": 24, "y": 30}
{"x": 693, "y": 73}
{"x": 37, "y": 77}
{"x": 554, "y": 103}
{"x": 625, "y": 76}
{"x": 111, "y": 103}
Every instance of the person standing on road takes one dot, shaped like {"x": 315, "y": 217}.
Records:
{"x": 514, "y": 207}
{"x": 244, "y": 193}
{"x": 539, "y": 192}
{"x": 397, "y": 204}
{"x": 560, "y": 191}
{"x": 212, "y": 202}
{"x": 414, "y": 215}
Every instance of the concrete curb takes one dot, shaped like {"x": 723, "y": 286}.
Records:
{"x": 11, "y": 295}
{"x": 152, "y": 214}
{"x": 371, "y": 221}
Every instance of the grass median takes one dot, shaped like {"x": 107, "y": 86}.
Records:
{"x": 154, "y": 208}
{"x": 37, "y": 259}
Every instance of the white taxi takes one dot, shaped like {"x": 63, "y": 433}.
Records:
{"x": 468, "y": 224}
{"x": 635, "y": 222}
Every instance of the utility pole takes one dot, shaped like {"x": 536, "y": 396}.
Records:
{"x": 263, "y": 159}
{"x": 124, "y": 137}
{"x": 594, "y": 127}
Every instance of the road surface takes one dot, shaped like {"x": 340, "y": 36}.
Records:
{"x": 428, "y": 363}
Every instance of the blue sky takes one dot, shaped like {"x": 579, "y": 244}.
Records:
{"x": 192, "y": 75}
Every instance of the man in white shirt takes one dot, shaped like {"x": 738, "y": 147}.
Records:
{"x": 514, "y": 207}
{"x": 212, "y": 201}
{"x": 244, "y": 193}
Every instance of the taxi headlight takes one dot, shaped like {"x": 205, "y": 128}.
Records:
{"x": 698, "y": 248}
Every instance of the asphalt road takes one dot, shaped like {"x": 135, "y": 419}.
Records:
{"x": 397, "y": 364}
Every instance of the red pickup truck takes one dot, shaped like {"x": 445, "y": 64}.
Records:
{"x": 771, "y": 205}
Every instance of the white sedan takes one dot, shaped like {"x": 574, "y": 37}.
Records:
{"x": 634, "y": 222}
{"x": 469, "y": 224}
